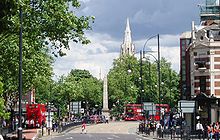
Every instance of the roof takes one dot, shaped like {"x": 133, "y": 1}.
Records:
{"x": 186, "y": 35}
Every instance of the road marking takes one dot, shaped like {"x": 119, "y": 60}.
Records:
{"x": 115, "y": 136}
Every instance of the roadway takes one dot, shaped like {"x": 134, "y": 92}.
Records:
{"x": 111, "y": 131}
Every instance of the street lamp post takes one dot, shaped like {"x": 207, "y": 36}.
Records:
{"x": 158, "y": 64}
{"x": 141, "y": 80}
{"x": 20, "y": 76}
{"x": 170, "y": 85}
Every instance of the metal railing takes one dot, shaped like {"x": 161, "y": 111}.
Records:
{"x": 174, "y": 133}
{"x": 69, "y": 125}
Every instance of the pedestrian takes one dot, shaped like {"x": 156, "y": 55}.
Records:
{"x": 83, "y": 127}
{"x": 216, "y": 130}
{"x": 159, "y": 130}
{"x": 199, "y": 129}
{"x": 106, "y": 119}
{"x": 32, "y": 123}
{"x": 210, "y": 131}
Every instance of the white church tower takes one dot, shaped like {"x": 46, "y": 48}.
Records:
{"x": 127, "y": 46}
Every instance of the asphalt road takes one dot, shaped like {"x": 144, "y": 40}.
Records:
{"x": 111, "y": 131}
{"x": 96, "y": 136}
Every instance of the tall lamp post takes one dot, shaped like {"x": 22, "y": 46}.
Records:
{"x": 20, "y": 76}
{"x": 158, "y": 64}
{"x": 141, "y": 80}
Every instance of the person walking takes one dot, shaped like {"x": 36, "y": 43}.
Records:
{"x": 199, "y": 129}
{"x": 216, "y": 130}
{"x": 83, "y": 127}
{"x": 159, "y": 130}
{"x": 210, "y": 131}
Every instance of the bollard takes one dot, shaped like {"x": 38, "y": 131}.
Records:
{"x": 42, "y": 130}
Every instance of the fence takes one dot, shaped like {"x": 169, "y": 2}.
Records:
{"x": 69, "y": 125}
{"x": 178, "y": 133}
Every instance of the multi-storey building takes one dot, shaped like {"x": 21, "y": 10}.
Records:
{"x": 200, "y": 63}
{"x": 185, "y": 40}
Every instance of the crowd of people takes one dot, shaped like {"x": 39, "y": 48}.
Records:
{"x": 211, "y": 131}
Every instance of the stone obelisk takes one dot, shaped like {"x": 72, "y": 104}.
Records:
{"x": 105, "y": 110}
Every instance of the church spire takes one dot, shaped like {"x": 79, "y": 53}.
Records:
{"x": 127, "y": 37}
{"x": 127, "y": 47}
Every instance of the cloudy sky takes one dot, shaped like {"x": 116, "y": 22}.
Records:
{"x": 169, "y": 18}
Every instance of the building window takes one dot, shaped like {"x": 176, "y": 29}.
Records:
{"x": 202, "y": 83}
{"x": 195, "y": 53}
{"x": 183, "y": 42}
{"x": 201, "y": 37}
{"x": 208, "y": 52}
{"x": 183, "y": 77}
{"x": 188, "y": 41}
{"x": 183, "y": 53}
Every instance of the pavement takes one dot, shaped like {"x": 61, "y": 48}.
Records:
{"x": 28, "y": 134}
{"x": 46, "y": 135}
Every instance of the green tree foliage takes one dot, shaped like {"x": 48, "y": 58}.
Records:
{"x": 7, "y": 10}
{"x": 47, "y": 23}
{"x": 78, "y": 85}
{"x": 3, "y": 112}
{"x": 125, "y": 86}
{"x": 36, "y": 64}
{"x": 48, "y": 27}
{"x": 170, "y": 84}
{"x": 122, "y": 84}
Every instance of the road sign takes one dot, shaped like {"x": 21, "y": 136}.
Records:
{"x": 186, "y": 106}
{"x": 75, "y": 107}
{"x": 150, "y": 107}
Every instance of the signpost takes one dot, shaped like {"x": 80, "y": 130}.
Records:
{"x": 186, "y": 106}
{"x": 150, "y": 107}
{"x": 75, "y": 107}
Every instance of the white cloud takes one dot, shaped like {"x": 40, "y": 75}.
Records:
{"x": 98, "y": 56}
{"x": 93, "y": 57}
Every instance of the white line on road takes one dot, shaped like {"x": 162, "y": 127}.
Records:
{"x": 115, "y": 136}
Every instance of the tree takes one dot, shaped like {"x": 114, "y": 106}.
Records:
{"x": 7, "y": 10}
{"x": 3, "y": 112}
{"x": 125, "y": 87}
{"x": 48, "y": 27}
{"x": 47, "y": 23}
{"x": 78, "y": 85}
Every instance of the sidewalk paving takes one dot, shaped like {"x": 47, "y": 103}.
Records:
{"x": 46, "y": 136}
{"x": 28, "y": 134}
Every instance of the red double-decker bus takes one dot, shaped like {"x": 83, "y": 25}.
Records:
{"x": 134, "y": 112}
{"x": 36, "y": 114}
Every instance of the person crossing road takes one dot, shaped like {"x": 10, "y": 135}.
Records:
{"x": 83, "y": 127}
